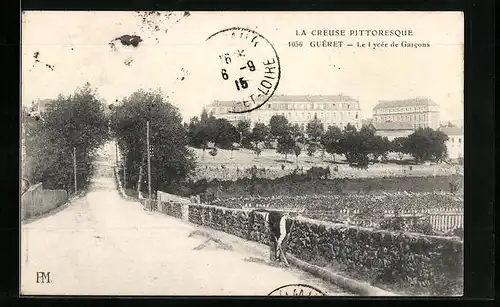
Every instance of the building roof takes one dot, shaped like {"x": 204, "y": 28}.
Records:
{"x": 418, "y": 101}
{"x": 218, "y": 103}
{"x": 293, "y": 98}
{"x": 366, "y": 122}
{"x": 44, "y": 102}
{"x": 311, "y": 98}
{"x": 452, "y": 130}
{"x": 393, "y": 126}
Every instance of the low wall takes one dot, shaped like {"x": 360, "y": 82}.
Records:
{"x": 36, "y": 200}
{"x": 53, "y": 199}
{"x": 403, "y": 261}
{"x": 171, "y": 208}
{"x": 31, "y": 201}
{"x": 417, "y": 263}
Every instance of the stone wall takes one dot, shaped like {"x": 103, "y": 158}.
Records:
{"x": 424, "y": 264}
{"x": 403, "y": 261}
{"x": 171, "y": 208}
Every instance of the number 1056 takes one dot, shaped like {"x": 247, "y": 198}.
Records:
{"x": 295, "y": 44}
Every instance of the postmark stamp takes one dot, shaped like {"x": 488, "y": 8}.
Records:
{"x": 297, "y": 290}
{"x": 249, "y": 67}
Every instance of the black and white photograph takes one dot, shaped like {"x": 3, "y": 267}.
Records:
{"x": 242, "y": 153}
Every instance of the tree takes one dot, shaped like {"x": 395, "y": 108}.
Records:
{"x": 426, "y": 144}
{"x": 260, "y": 133}
{"x": 297, "y": 132}
{"x": 315, "y": 130}
{"x": 224, "y": 133}
{"x": 74, "y": 121}
{"x": 311, "y": 149}
{"x": 297, "y": 150}
{"x": 356, "y": 145}
{"x": 285, "y": 145}
{"x": 279, "y": 126}
{"x": 379, "y": 147}
{"x": 171, "y": 160}
{"x": 331, "y": 141}
{"x": 399, "y": 145}
{"x": 243, "y": 128}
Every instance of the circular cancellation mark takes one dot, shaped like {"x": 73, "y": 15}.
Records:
{"x": 296, "y": 290}
{"x": 249, "y": 67}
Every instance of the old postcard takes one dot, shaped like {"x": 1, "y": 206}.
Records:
{"x": 242, "y": 153}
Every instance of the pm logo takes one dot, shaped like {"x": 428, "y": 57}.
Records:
{"x": 43, "y": 277}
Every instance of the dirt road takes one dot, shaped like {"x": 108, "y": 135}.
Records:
{"x": 101, "y": 244}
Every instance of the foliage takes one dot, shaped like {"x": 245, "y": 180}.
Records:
{"x": 356, "y": 145}
{"x": 171, "y": 161}
{"x": 244, "y": 132}
{"x": 224, "y": 133}
{"x": 331, "y": 140}
{"x": 260, "y": 133}
{"x": 279, "y": 127}
{"x": 426, "y": 144}
{"x": 315, "y": 130}
{"x": 400, "y": 146}
{"x": 311, "y": 149}
{"x": 298, "y": 133}
{"x": 286, "y": 145}
{"x": 75, "y": 121}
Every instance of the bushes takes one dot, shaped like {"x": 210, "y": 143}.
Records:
{"x": 303, "y": 185}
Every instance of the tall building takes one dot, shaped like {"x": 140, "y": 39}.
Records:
{"x": 332, "y": 110}
{"x": 455, "y": 143}
{"x": 420, "y": 112}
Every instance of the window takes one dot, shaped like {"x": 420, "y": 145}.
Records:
{"x": 269, "y": 106}
{"x": 452, "y": 140}
{"x": 348, "y": 105}
{"x": 356, "y": 115}
{"x": 460, "y": 140}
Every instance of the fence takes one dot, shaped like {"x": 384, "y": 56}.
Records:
{"x": 36, "y": 200}
{"x": 442, "y": 219}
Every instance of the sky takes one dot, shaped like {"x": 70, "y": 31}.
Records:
{"x": 176, "y": 58}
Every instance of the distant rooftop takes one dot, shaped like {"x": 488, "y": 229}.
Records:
{"x": 452, "y": 130}
{"x": 311, "y": 98}
{"x": 418, "y": 101}
{"x": 393, "y": 126}
{"x": 294, "y": 98}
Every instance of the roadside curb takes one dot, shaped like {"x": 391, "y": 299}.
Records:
{"x": 348, "y": 284}
{"x": 119, "y": 184}
{"x": 361, "y": 288}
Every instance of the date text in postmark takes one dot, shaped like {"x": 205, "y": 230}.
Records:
{"x": 249, "y": 67}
